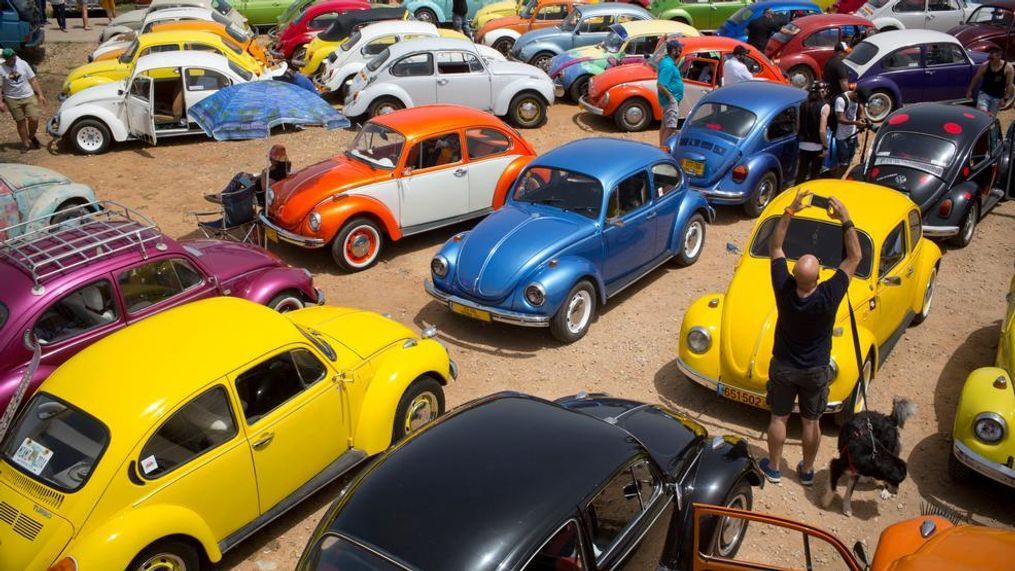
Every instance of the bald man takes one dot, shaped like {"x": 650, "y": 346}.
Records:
{"x": 803, "y": 338}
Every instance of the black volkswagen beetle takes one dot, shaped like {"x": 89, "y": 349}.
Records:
{"x": 512, "y": 481}
{"x": 950, "y": 160}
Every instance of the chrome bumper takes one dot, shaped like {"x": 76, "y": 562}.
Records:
{"x": 558, "y": 90}
{"x": 981, "y": 465}
{"x": 714, "y": 385}
{"x": 590, "y": 107}
{"x": 291, "y": 237}
{"x": 52, "y": 125}
{"x": 496, "y": 314}
{"x": 453, "y": 368}
{"x": 320, "y": 295}
{"x": 941, "y": 231}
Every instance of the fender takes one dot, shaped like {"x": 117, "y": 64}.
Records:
{"x": 451, "y": 249}
{"x": 558, "y": 281}
{"x": 336, "y": 211}
{"x": 442, "y": 15}
{"x": 621, "y": 93}
{"x": 375, "y": 90}
{"x": 930, "y": 259}
{"x": 979, "y": 394}
{"x": 693, "y": 203}
{"x": 394, "y": 370}
{"x": 507, "y": 179}
{"x": 677, "y": 14}
{"x": 885, "y": 22}
{"x": 879, "y": 82}
{"x": 983, "y": 46}
{"x": 858, "y": 172}
{"x": 701, "y": 314}
{"x": 117, "y": 127}
{"x": 757, "y": 166}
{"x": 793, "y": 60}
{"x": 841, "y": 386}
{"x": 530, "y": 51}
{"x": 10, "y": 380}
{"x": 83, "y": 83}
{"x": 262, "y": 285}
{"x": 494, "y": 35}
{"x": 508, "y": 92}
{"x": 46, "y": 203}
{"x": 111, "y": 31}
{"x": 962, "y": 195}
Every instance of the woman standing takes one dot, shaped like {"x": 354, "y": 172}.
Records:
{"x": 812, "y": 133}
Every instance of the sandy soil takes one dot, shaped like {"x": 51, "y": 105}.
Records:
{"x": 629, "y": 352}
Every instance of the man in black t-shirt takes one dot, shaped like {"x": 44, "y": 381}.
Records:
{"x": 835, "y": 73}
{"x": 803, "y": 338}
{"x": 761, "y": 29}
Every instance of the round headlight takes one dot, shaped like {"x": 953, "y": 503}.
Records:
{"x": 989, "y": 427}
{"x": 699, "y": 340}
{"x": 535, "y": 294}
{"x": 439, "y": 266}
{"x": 314, "y": 220}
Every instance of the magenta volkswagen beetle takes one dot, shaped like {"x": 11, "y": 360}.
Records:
{"x": 70, "y": 284}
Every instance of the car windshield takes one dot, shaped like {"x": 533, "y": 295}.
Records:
{"x": 862, "y": 53}
{"x": 613, "y": 42}
{"x": 529, "y": 8}
{"x": 336, "y": 553}
{"x": 741, "y": 16}
{"x": 809, "y": 236}
{"x": 377, "y": 145}
{"x": 221, "y": 6}
{"x": 351, "y": 41}
{"x": 917, "y": 150}
{"x": 559, "y": 188}
{"x": 724, "y": 118}
{"x": 55, "y": 443}
{"x": 571, "y": 21}
{"x": 378, "y": 60}
{"x": 128, "y": 54}
{"x": 786, "y": 33}
{"x": 992, "y": 16}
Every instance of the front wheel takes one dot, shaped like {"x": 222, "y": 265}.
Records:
{"x": 633, "y": 115}
{"x": 879, "y": 105}
{"x": 968, "y": 228}
{"x": 527, "y": 111}
{"x": 692, "y": 242}
{"x": 357, "y": 245}
{"x": 68, "y": 210}
{"x": 426, "y": 15}
{"x": 572, "y": 320}
{"x": 90, "y": 137}
{"x": 729, "y": 532}
{"x": 801, "y": 76}
{"x": 764, "y": 191}
{"x": 928, "y": 298}
{"x": 579, "y": 89}
{"x": 286, "y": 301}
{"x": 167, "y": 555}
{"x": 420, "y": 404}
{"x": 542, "y": 61}
{"x": 856, "y": 403}
{"x": 504, "y": 45}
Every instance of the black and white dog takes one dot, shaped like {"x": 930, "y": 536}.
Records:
{"x": 869, "y": 447}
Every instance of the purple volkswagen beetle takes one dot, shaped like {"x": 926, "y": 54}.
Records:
{"x": 69, "y": 284}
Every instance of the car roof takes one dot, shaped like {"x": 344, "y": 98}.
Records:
{"x": 487, "y": 483}
{"x": 761, "y": 6}
{"x": 605, "y": 158}
{"x": 421, "y": 121}
{"x": 644, "y": 27}
{"x": 430, "y": 44}
{"x": 396, "y": 26}
{"x": 721, "y": 43}
{"x": 180, "y": 11}
{"x": 760, "y": 96}
{"x": 957, "y": 123}
{"x": 899, "y": 38}
{"x": 609, "y": 8}
{"x": 19, "y": 176}
{"x": 151, "y": 38}
{"x": 807, "y": 23}
{"x": 188, "y": 58}
{"x": 874, "y": 209}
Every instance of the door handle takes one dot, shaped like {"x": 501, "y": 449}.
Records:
{"x": 928, "y": 72}
{"x": 461, "y": 171}
{"x": 263, "y": 440}
{"x": 909, "y": 272}
{"x": 651, "y": 215}
{"x": 442, "y": 82}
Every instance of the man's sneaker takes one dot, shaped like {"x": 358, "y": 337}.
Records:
{"x": 771, "y": 474}
{"x": 806, "y": 478}
{"x": 36, "y": 143}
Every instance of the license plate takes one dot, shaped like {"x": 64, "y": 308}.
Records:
{"x": 470, "y": 312}
{"x": 738, "y": 395}
{"x": 692, "y": 167}
{"x": 271, "y": 234}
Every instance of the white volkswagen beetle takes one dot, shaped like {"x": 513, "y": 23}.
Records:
{"x": 132, "y": 20}
{"x": 123, "y": 39}
{"x": 447, "y": 70}
{"x": 347, "y": 60}
{"x": 152, "y": 103}
{"x": 940, "y": 15}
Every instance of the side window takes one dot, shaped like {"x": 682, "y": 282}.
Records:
{"x": 783, "y": 124}
{"x": 944, "y": 54}
{"x": 594, "y": 24}
{"x": 915, "y": 229}
{"x": 141, "y": 87}
{"x": 450, "y": 63}
{"x": 416, "y": 65}
{"x": 323, "y": 21}
{"x": 641, "y": 46}
{"x": 435, "y": 152}
{"x": 561, "y": 551}
{"x": 666, "y": 178}
{"x": 160, "y": 49}
{"x": 981, "y": 149}
{"x": 619, "y": 504}
{"x": 205, "y": 80}
{"x": 902, "y": 59}
{"x": 199, "y": 426}
{"x": 630, "y": 195}
{"x": 552, "y": 12}
{"x": 377, "y": 46}
{"x": 892, "y": 251}
{"x": 699, "y": 70}
{"x": 268, "y": 385}
{"x": 484, "y": 142}
{"x": 154, "y": 282}
{"x": 908, "y": 6}
{"x": 942, "y": 6}
{"x": 81, "y": 310}
{"x": 202, "y": 47}
{"x": 822, "y": 38}
{"x": 752, "y": 65}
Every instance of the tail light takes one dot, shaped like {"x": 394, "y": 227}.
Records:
{"x": 739, "y": 173}
{"x": 945, "y": 210}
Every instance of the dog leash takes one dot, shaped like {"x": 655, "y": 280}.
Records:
{"x": 19, "y": 393}
{"x": 859, "y": 368}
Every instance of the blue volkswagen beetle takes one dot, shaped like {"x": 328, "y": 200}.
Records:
{"x": 581, "y": 223}
{"x": 783, "y": 12}
{"x": 738, "y": 145}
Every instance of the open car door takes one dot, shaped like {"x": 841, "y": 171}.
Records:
{"x": 140, "y": 113}
{"x": 1006, "y": 174}
{"x": 818, "y": 550}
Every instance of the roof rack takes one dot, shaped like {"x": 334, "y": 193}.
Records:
{"x": 85, "y": 233}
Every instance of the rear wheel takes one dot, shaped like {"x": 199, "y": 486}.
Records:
{"x": 167, "y": 555}
{"x": 426, "y": 15}
{"x": 420, "y": 404}
{"x": 575, "y": 314}
{"x": 286, "y": 301}
{"x": 635, "y": 114}
{"x": 504, "y": 45}
{"x": 527, "y": 110}
{"x": 801, "y": 76}
{"x": 692, "y": 242}
{"x": 384, "y": 105}
{"x": 764, "y": 192}
{"x": 68, "y": 210}
{"x": 357, "y": 245}
{"x": 968, "y": 227}
{"x": 542, "y": 61}
{"x": 90, "y": 137}
{"x": 579, "y": 89}
{"x": 729, "y": 532}
{"x": 855, "y": 403}
{"x": 879, "y": 105}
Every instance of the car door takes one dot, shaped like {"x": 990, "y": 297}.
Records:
{"x": 912, "y": 14}
{"x": 629, "y": 229}
{"x": 200, "y": 83}
{"x": 434, "y": 185}
{"x": 157, "y": 285}
{"x": 79, "y": 317}
{"x": 547, "y": 15}
{"x": 701, "y": 75}
{"x": 984, "y": 164}
{"x": 904, "y": 68}
{"x": 462, "y": 80}
{"x": 294, "y": 415}
{"x": 415, "y": 74}
{"x": 139, "y": 111}
{"x": 781, "y": 141}
{"x": 489, "y": 152}
{"x": 895, "y": 287}
{"x": 666, "y": 180}
{"x": 943, "y": 15}
{"x": 591, "y": 30}
{"x": 948, "y": 72}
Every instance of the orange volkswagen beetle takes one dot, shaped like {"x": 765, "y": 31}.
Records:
{"x": 628, "y": 92}
{"x": 405, "y": 172}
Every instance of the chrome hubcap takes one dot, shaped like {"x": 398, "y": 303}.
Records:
{"x": 89, "y": 138}
{"x": 799, "y": 80}
{"x": 878, "y": 106}
{"x": 542, "y": 63}
{"x": 928, "y": 296}
{"x": 164, "y": 562}
{"x": 732, "y": 528}
{"x": 578, "y": 311}
{"x": 386, "y": 108}
{"x": 969, "y": 225}
{"x": 288, "y": 304}
{"x": 764, "y": 193}
{"x": 634, "y": 115}
{"x": 360, "y": 245}
{"x": 528, "y": 110}
{"x": 692, "y": 240}
{"x": 422, "y": 410}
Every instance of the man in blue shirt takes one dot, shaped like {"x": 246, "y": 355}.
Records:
{"x": 670, "y": 87}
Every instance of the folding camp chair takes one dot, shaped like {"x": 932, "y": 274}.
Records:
{"x": 237, "y": 220}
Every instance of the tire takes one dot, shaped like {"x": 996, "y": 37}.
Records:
{"x": 383, "y": 106}
{"x": 855, "y": 402}
{"x": 959, "y": 472}
{"x": 968, "y": 227}
{"x": 579, "y": 88}
{"x": 527, "y": 111}
{"x": 692, "y": 241}
{"x": 729, "y": 534}
{"x": 420, "y": 404}
{"x": 882, "y": 104}
{"x": 805, "y": 75}
{"x": 633, "y": 115}
{"x": 90, "y": 137}
{"x": 299, "y": 53}
{"x": 426, "y": 15}
{"x": 504, "y": 45}
{"x": 576, "y": 313}
{"x": 763, "y": 193}
{"x": 928, "y": 298}
{"x": 62, "y": 212}
{"x": 542, "y": 61}
{"x": 357, "y": 245}
{"x": 288, "y": 300}
{"x": 167, "y": 554}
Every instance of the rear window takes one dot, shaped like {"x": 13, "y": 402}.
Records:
{"x": 925, "y": 152}
{"x": 378, "y": 60}
{"x": 55, "y": 443}
{"x": 727, "y": 119}
{"x": 786, "y": 33}
{"x": 862, "y": 53}
{"x": 822, "y": 239}
{"x": 336, "y": 553}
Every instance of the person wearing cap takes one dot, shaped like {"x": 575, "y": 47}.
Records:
{"x": 811, "y": 134}
{"x": 670, "y": 89}
{"x": 735, "y": 70}
{"x": 850, "y": 118}
{"x": 836, "y": 74}
{"x": 761, "y": 29}
{"x": 22, "y": 95}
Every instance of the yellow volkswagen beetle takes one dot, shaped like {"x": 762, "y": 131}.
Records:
{"x": 985, "y": 416}
{"x": 726, "y": 339}
{"x": 171, "y": 441}
{"x": 318, "y": 49}
{"x": 105, "y": 71}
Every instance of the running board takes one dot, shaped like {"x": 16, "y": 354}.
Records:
{"x": 638, "y": 277}
{"x": 419, "y": 228}
{"x": 886, "y": 349}
{"x": 347, "y": 461}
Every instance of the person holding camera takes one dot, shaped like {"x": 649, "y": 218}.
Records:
{"x": 800, "y": 371}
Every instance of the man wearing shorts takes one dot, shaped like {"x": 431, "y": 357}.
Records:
{"x": 670, "y": 88}
{"x": 995, "y": 78}
{"x": 802, "y": 350}
{"x": 21, "y": 96}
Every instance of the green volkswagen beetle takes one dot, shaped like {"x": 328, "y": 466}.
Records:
{"x": 706, "y": 15}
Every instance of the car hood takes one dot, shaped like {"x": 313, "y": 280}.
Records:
{"x": 500, "y": 67}
{"x": 363, "y": 332}
{"x": 615, "y": 76}
{"x": 968, "y": 34}
{"x": 299, "y": 192}
{"x": 227, "y": 260}
{"x": 95, "y": 94}
{"x": 717, "y": 152}
{"x": 575, "y": 56}
{"x": 101, "y": 67}
{"x": 506, "y": 7}
{"x": 509, "y": 243}
{"x": 921, "y": 187}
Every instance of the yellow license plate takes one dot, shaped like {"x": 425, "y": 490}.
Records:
{"x": 470, "y": 312}
{"x": 271, "y": 234}
{"x": 692, "y": 167}
{"x": 738, "y": 395}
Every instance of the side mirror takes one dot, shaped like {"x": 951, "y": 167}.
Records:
{"x": 892, "y": 281}
{"x": 119, "y": 92}
{"x": 732, "y": 248}
{"x": 615, "y": 221}
{"x": 860, "y": 551}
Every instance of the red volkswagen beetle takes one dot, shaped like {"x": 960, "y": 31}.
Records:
{"x": 802, "y": 47}
{"x": 315, "y": 19}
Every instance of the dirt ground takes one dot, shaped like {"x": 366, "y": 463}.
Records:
{"x": 631, "y": 349}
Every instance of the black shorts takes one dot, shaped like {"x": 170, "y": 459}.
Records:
{"x": 786, "y": 383}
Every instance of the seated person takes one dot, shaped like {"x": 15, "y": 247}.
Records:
{"x": 279, "y": 167}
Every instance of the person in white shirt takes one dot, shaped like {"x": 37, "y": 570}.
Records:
{"x": 21, "y": 96}
{"x": 735, "y": 70}
{"x": 850, "y": 118}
